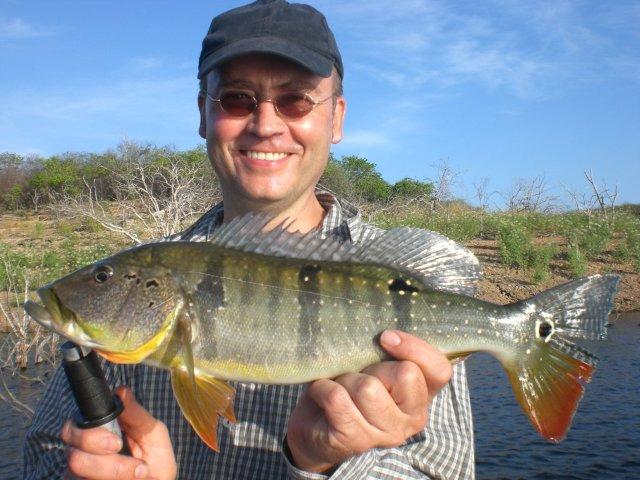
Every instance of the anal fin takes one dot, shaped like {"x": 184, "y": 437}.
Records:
{"x": 549, "y": 384}
{"x": 201, "y": 401}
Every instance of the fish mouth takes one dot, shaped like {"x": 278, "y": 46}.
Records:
{"x": 54, "y": 315}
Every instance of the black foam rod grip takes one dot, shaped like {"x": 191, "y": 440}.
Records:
{"x": 93, "y": 396}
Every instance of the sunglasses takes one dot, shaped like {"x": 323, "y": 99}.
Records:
{"x": 291, "y": 105}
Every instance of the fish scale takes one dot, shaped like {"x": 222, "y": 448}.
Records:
{"x": 279, "y": 307}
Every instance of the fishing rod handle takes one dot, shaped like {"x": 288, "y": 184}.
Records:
{"x": 97, "y": 405}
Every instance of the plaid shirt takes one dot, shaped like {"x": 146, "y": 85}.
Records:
{"x": 252, "y": 447}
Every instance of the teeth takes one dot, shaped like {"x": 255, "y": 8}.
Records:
{"x": 271, "y": 156}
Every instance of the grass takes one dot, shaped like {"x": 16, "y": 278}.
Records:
{"x": 38, "y": 230}
{"x": 43, "y": 267}
{"x": 577, "y": 261}
{"x": 628, "y": 249}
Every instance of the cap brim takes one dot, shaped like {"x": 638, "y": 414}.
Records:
{"x": 316, "y": 63}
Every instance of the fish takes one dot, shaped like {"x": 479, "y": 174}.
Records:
{"x": 280, "y": 307}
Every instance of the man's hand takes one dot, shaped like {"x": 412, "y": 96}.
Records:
{"x": 380, "y": 407}
{"x": 93, "y": 453}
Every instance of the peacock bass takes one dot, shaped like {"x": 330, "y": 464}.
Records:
{"x": 280, "y": 307}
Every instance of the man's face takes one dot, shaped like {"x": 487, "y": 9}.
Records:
{"x": 298, "y": 148}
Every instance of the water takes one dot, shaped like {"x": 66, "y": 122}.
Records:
{"x": 13, "y": 423}
{"x": 604, "y": 441}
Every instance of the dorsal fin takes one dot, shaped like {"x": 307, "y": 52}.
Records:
{"x": 437, "y": 262}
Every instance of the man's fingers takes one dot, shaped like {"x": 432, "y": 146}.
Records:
{"x": 92, "y": 440}
{"x": 435, "y": 366}
{"x": 104, "y": 467}
{"x": 405, "y": 383}
{"x": 372, "y": 400}
{"x": 135, "y": 420}
{"x": 344, "y": 420}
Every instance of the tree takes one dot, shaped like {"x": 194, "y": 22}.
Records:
{"x": 58, "y": 175}
{"x": 446, "y": 178}
{"x": 336, "y": 179}
{"x": 603, "y": 195}
{"x": 409, "y": 188}
{"x": 367, "y": 182}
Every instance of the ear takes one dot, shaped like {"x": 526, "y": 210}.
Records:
{"x": 202, "y": 107}
{"x": 338, "y": 119}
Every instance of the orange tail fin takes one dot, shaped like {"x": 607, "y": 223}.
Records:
{"x": 549, "y": 373}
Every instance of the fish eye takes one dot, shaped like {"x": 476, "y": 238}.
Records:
{"x": 102, "y": 273}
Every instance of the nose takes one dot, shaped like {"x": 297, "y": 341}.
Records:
{"x": 265, "y": 121}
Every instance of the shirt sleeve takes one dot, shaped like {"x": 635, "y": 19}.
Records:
{"x": 43, "y": 454}
{"x": 444, "y": 449}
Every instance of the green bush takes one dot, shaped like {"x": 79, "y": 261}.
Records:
{"x": 628, "y": 248}
{"x": 58, "y": 175}
{"x": 66, "y": 228}
{"x": 540, "y": 260}
{"x": 577, "y": 261}
{"x": 514, "y": 244}
{"x": 13, "y": 197}
{"x": 12, "y": 268}
{"x": 410, "y": 188}
{"x": 592, "y": 239}
{"x": 460, "y": 228}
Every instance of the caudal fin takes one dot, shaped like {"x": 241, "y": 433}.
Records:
{"x": 549, "y": 376}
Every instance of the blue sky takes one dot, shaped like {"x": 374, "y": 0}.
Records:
{"x": 499, "y": 89}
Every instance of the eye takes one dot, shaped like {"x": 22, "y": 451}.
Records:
{"x": 102, "y": 273}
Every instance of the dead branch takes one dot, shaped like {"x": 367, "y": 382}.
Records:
{"x": 530, "y": 195}
{"x": 602, "y": 195}
{"x": 156, "y": 199}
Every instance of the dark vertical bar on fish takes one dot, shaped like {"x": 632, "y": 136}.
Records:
{"x": 401, "y": 295}
{"x": 309, "y": 300}
{"x": 211, "y": 290}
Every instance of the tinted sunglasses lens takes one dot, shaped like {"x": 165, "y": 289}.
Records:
{"x": 238, "y": 104}
{"x": 293, "y": 105}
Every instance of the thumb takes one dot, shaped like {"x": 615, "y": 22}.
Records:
{"x": 135, "y": 420}
{"x": 435, "y": 366}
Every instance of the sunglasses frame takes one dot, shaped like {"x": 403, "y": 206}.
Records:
{"x": 257, "y": 102}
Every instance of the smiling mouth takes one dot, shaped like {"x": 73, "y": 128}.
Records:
{"x": 268, "y": 156}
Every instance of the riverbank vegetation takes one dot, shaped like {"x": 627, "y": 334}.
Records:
{"x": 62, "y": 212}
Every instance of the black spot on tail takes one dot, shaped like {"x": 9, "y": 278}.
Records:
{"x": 545, "y": 329}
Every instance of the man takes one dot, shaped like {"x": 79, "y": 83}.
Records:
{"x": 270, "y": 106}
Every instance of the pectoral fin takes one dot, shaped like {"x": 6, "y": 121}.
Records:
{"x": 202, "y": 401}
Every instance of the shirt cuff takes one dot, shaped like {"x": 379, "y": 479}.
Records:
{"x": 294, "y": 472}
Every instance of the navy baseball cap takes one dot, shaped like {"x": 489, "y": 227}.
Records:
{"x": 295, "y": 31}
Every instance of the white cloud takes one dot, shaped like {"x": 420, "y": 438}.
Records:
{"x": 142, "y": 64}
{"x": 528, "y": 50}
{"x": 361, "y": 138}
{"x": 18, "y": 29}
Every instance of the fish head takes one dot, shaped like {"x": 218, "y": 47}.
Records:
{"x": 124, "y": 305}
